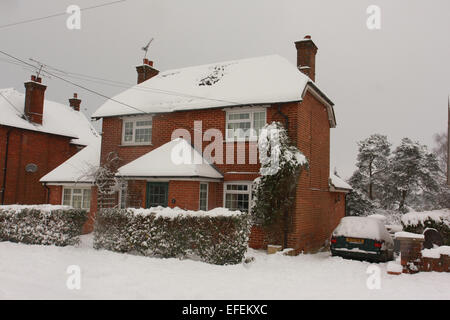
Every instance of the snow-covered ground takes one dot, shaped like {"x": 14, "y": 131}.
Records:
{"x": 40, "y": 272}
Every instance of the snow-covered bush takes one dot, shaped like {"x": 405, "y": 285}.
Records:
{"x": 274, "y": 192}
{"x": 417, "y": 222}
{"x": 218, "y": 236}
{"x": 41, "y": 224}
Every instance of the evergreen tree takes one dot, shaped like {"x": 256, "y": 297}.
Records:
{"x": 414, "y": 171}
{"x": 357, "y": 202}
{"x": 274, "y": 191}
{"x": 372, "y": 162}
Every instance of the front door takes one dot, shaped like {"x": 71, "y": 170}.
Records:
{"x": 157, "y": 194}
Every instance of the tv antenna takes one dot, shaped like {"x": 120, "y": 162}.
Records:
{"x": 145, "y": 48}
{"x": 40, "y": 67}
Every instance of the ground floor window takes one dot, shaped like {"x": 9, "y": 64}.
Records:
{"x": 77, "y": 197}
{"x": 237, "y": 196}
{"x": 203, "y": 196}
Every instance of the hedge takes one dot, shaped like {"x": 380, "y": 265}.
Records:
{"x": 41, "y": 224}
{"x": 218, "y": 236}
{"x": 417, "y": 222}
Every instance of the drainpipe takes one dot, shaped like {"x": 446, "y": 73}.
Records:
{"x": 5, "y": 166}
{"x": 286, "y": 118}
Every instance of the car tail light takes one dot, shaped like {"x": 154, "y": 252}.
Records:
{"x": 378, "y": 244}
{"x": 333, "y": 240}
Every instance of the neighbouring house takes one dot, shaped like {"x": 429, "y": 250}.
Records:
{"x": 233, "y": 100}
{"x": 36, "y": 136}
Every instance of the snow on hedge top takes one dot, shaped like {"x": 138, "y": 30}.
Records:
{"x": 80, "y": 168}
{"x": 338, "y": 183}
{"x": 415, "y": 218}
{"x": 267, "y": 79}
{"x": 15, "y": 208}
{"x": 436, "y": 253}
{"x": 176, "y": 158}
{"x": 57, "y": 119}
{"x": 362, "y": 227}
{"x": 177, "y": 212}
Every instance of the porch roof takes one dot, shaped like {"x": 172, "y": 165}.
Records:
{"x": 175, "y": 159}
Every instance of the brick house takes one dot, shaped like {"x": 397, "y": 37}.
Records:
{"x": 234, "y": 99}
{"x": 36, "y": 136}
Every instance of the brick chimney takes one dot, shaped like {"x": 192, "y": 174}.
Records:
{"x": 34, "y": 100}
{"x": 306, "y": 57}
{"x": 75, "y": 102}
{"x": 146, "y": 71}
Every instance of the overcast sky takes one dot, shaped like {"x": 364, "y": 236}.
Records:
{"x": 393, "y": 81}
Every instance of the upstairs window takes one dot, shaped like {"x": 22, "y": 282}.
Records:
{"x": 137, "y": 130}
{"x": 245, "y": 124}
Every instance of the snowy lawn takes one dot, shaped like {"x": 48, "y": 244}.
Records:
{"x": 39, "y": 272}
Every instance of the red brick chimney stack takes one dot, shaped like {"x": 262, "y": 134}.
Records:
{"x": 75, "y": 102}
{"x": 306, "y": 57}
{"x": 146, "y": 71}
{"x": 34, "y": 100}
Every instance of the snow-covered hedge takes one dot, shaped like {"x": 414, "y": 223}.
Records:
{"x": 218, "y": 236}
{"x": 417, "y": 222}
{"x": 41, "y": 224}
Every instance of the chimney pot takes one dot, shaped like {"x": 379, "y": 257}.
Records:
{"x": 307, "y": 37}
{"x": 146, "y": 71}
{"x": 75, "y": 102}
{"x": 33, "y": 78}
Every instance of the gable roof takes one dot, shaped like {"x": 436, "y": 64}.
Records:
{"x": 58, "y": 119}
{"x": 175, "y": 159}
{"x": 79, "y": 168}
{"x": 260, "y": 80}
{"x": 337, "y": 183}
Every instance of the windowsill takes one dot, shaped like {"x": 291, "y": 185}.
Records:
{"x": 241, "y": 140}
{"x": 135, "y": 144}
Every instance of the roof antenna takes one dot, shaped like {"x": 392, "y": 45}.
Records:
{"x": 39, "y": 69}
{"x": 145, "y": 49}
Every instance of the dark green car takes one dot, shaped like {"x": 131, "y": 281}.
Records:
{"x": 362, "y": 238}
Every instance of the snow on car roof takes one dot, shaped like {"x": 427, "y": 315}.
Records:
{"x": 362, "y": 227}
{"x": 57, "y": 119}
{"x": 259, "y": 80}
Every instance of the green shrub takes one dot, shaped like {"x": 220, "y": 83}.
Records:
{"x": 213, "y": 238}
{"x": 41, "y": 224}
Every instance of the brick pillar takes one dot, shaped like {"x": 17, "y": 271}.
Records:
{"x": 411, "y": 253}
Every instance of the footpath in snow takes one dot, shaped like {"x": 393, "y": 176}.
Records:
{"x": 40, "y": 272}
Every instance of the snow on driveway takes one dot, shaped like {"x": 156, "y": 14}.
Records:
{"x": 39, "y": 272}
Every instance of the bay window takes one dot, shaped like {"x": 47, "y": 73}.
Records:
{"x": 79, "y": 198}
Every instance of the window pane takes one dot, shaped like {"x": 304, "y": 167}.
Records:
{"x": 203, "y": 196}
{"x": 259, "y": 120}
{"x": 76, "y": 200}
{"x": 128, "y": 135}
{"x": 67, "y": 197}
{"x": 143, "y": 135}
{"x": 238, "y": 116}
{"x": 86, "y": 198}
{"x": 145, "y": 123}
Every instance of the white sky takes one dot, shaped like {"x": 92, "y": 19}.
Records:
{"x": 393, "y": 81}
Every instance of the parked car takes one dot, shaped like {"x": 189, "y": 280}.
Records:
{"x": 362, "y": 238}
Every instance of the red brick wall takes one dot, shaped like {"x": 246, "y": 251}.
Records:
{"x": 45, "y": 150}
{"x": 316, "y": 212}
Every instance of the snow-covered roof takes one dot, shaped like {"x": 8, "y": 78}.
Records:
{"x": 338, "y": 183}
{"x": 175, "y": 159}
{"x": 79, "y": 168}
{"x": 57, "y": 118}
{"x": 260, "y": 80}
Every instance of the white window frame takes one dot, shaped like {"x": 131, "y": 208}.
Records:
{"x": 199, "y": 195}
{"x": 251, "y": 111}
{"x": 133, "y": 120}
{"x": 123, "y": 191}
{"x": 82, "y": 196}
{"x": 249, "y": 192}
